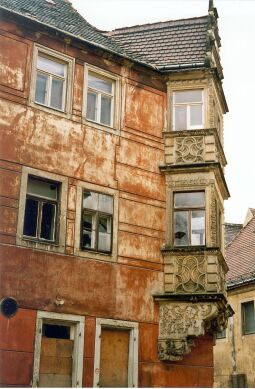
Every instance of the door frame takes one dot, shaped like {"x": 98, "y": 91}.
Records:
{"x": 133, "y": 348}
{"x": 77, "y": 324}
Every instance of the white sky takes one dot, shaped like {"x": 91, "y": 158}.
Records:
{"x": 237, "y": 31}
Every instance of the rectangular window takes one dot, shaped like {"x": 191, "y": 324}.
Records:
{"x": 100, "y": 98}
{"x": 188, "y": 110}
{"x": 41, "y": 210}
{"x": 97, "y": 211}
{"x": 248, "y": 318}
{"x": 50, "y": 85}
{"x": 189, "y": 219}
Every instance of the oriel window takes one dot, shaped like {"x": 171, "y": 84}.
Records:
{"x": 96, "y": 228}
{"x": 188, "y": 111}
{"x": 100, "y": 99}
{"x": 41, "y": 210}
{"x": 51, "y": 81}
{"x": 189, "y": 219}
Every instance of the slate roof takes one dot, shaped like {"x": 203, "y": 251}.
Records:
{"x": 181, "y": 42}
{"x": 240, "y": 256}
{"x": 231, "y": 230}
{"x": 61, "y": 15}
{"x": 175, "y": 42}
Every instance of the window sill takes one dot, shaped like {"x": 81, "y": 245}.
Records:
{"x": 37, "y": 244}
{"x": 99, "y": 126}
{"x": 53, "y": 111}
{"x": 98, "y": 255}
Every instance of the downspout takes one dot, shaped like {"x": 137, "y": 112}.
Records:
{"x": 233, "y": 351}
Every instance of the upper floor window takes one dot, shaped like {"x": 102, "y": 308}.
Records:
{"x": 51, "y": 79}
{"x": 50, "y": 88}
{"x": 96, "y": 221}
{"x": 189, "y": 219}
{"x": 248, "y": 317}
{"x": 100, "y": 99}
{"x": 41, "y": 210}
{"x": 188, "y": 111}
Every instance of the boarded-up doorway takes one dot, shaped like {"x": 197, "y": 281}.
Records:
{"x": 56, "y": 356}
{"x": 114, "y": 358}
{"x": 116, "y": 354}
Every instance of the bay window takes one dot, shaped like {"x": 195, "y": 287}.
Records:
{"x": 189, "y": 219}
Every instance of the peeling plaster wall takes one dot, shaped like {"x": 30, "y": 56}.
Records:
{"x": 127, "y": 162}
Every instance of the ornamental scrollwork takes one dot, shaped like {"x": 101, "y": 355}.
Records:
{"x": 189, "y": 149}
{"x": 190, "y": 275}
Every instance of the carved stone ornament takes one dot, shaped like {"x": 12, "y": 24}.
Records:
{"x": 190, "y": 274}
{"x": 189, "y": 149}
{"x": 180, "y": 322}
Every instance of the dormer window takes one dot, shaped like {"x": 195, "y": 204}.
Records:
{"x": 188, "y": 110}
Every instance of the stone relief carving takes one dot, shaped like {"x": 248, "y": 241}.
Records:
{"x": 190, "y": 275}
{"x": 189, "y": 149}
{"x": 213, "y": 209}
{"x": 188, "y": 182}
{"x": 180, "y": 322}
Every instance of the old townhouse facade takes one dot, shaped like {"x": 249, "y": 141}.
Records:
{"x": 112, "y": 191}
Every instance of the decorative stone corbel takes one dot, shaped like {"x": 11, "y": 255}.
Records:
{"x": 180, "y": 322}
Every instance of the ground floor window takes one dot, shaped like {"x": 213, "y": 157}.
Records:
{"x": 116, "y": 354}
{"x": 58, "y": 356}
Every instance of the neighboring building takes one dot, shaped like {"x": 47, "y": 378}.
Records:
{"x": 112, "y": 249}
{"x": 236, "y": 345}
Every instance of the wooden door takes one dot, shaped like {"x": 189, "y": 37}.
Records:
{"x": 56, "y": 362}
{"x": 114, "y": 358}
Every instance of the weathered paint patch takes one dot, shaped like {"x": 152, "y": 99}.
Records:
{"x": 144, "y": 110}
{"x": 136, "y": 213}
{"x": 13, "y": 57}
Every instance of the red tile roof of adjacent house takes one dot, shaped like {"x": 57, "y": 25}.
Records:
{"x": 240, "y": 254}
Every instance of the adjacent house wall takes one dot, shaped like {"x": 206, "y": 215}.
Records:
{"x": 235, "y": 353}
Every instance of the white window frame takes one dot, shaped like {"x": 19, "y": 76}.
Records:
{"x": 116, "y": 100}
{"x": 67, "y": 85}
{"x": 77, "y": 323}
{"x": 133, "y": 348}
{"x": 188, "y": 105}
{"x": 105, "y": 256}
{"x": 27, "y": 241}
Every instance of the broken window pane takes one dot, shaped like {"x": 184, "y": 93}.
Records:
{"x": 104, "y": 233}
{"x": 56, "y": 93}
{"x": 48, "y": 221}
{"x": 50, "y": 66}
{"x": 198, "y": 228}
{"x": 90, "y": 200}
{"x": 88, "y": 240}
{"x": 41, "y": 89}
{"x": 30, "y": 218}
{"x": 181, "y": 228}
{"x": 106, "y": 110}
{"x": 91, "y": 106}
